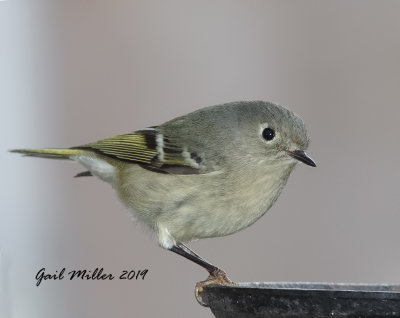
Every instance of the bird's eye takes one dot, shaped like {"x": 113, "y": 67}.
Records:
{"x": 268, "y": 134}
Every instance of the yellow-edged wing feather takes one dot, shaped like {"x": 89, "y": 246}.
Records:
{"x": 138, "y": 147}
{"x": 146, "y": 147}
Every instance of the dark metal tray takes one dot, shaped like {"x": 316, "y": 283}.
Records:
{"x": 303, "y": 300}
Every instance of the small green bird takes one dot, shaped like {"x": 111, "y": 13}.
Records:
{"x": 209, "y": 173}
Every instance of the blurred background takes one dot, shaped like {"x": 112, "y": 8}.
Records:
{"x": 77, "y": 71}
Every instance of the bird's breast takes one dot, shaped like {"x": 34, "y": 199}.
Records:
{"x": 201, "y": 206}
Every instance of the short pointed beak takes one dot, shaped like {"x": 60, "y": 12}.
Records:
{"x": 302, "y": 156}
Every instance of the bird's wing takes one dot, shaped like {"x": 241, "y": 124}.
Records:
{"x": 150, "y": 149}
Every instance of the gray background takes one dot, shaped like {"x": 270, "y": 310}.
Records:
{"x": 77, "y": 71}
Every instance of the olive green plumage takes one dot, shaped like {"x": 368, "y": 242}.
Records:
{"x": 209, "y": 173}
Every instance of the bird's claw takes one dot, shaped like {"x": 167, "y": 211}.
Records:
{"x": 218, "y": 277}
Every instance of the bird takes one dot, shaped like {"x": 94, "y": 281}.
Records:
{"x": 209, "y": 173}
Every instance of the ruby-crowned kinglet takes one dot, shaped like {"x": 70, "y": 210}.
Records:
{"x": 209, "y": 173}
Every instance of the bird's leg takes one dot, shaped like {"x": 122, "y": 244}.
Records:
{"x": 216, "y": 275}
{"x": 209, "y": 267}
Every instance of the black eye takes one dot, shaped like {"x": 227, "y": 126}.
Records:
{"x": 268, "y": 134}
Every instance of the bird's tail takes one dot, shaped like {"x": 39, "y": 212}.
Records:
{"x": 52, "y": 153}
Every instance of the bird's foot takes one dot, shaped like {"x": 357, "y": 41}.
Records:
{"x": 217, "y": 277}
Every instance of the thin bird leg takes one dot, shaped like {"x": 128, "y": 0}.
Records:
{"x": 217, "y": 276}
{"x": 190, "y": 251}
{"x": 184, "y": 251}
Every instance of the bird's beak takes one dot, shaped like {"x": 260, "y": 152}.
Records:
{"x": 302, "y": 156}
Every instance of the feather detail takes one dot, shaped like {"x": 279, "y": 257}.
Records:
{"x": 148, "y": 148}
{"x": 83, "y": 174}
{"x": 51, "y": 153}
